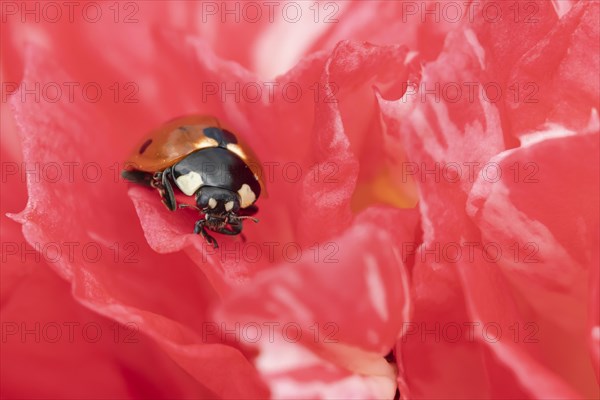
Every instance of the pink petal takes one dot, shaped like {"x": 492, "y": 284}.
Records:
{"x": 14, "y": 269}
{"x": 307, "y": 296}
{"x": 448, "y": 140}
{"x": 461, "y": 132}
{"x": 371, "y": 278}
{"x": 546, "y": 254}
{"x": 292, "y": 371}
{"x": 348, "y": 130}
{"x": 398, "y": 23}
{"x": 320, "y": 26}
{"x": 561, "y": 74}
{"x": 595, "y": 320}
{"x": 60, "y": 349}
{"x": 433, "y": 134}
{"x": 165, "y": 295}
{"x": 508, "y": 37}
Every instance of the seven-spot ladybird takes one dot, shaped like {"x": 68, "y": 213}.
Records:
{"x": 204, "y": 160}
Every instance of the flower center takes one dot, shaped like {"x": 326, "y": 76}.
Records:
{"x": 387, "y": 187}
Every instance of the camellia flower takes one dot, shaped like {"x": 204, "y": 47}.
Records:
{"x": 430, "y": 228}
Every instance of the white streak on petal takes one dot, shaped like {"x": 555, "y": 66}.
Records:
{"x": 552, "y": 131}
{"x": 286, "y": 367}
{"x": 285, "y": 296}
{"x": 376, "y": 287}
{"x": 596, "y": 333}
{"x": 411, "y": 55}
{"x": 561, "y": 7}
{"x": 290, "y": 35}
{"x": 476, "y": 46}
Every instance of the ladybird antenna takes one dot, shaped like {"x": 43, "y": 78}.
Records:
{"x": 189, "y": 206}
{"x": 247, "y": 217}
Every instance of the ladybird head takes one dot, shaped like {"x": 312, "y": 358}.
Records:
{"x": 217, "y": 203}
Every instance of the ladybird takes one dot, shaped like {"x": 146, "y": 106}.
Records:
{"x": 202, "y": 159}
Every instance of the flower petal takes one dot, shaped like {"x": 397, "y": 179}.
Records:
{"x": 60, "y": 349}
{"x": 559, "y": 74}
{"x": 465, "y": 133}
{"x": 546, "y": 249}
{"x": 165, "y": 295}
{"x": 302, "y": 302}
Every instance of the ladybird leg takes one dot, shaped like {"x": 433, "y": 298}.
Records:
{"x": 168, "y": 197}
{"x": 156, "y": 183}
{"x": 236, "y": 228}
{"x": 199, "y": 229}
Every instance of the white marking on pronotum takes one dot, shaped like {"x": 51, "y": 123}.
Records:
{"x": 189, "y": 182}
{"x": 228, "y": 206}
{"x": 246, "y": 195}
{"x": 234, "y": 148}
{"x": 212, "y": 203}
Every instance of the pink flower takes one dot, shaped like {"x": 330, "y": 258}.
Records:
{"x": 347, "y": 288}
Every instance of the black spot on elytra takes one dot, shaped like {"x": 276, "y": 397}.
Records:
{"x": 223, "y": 137}
{"x": 229, "y": 137}
{"x": 145, "y": 146}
